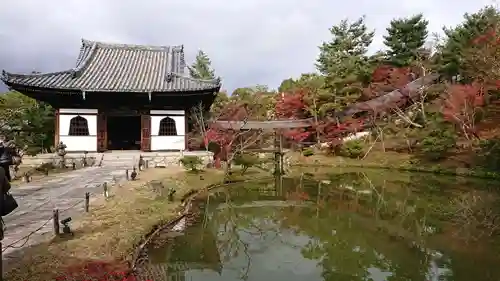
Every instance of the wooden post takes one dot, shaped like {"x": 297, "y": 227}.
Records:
{"x": 278, "y": 152}
{"x": 55, "y": 218}
{"x": 280, "y": 141}
{"x": 278, "y": 184}
{"x": 102, "y": 131}
{"x": 87, "y": 201}
{"x": 277, "y": 170}
{"x": 145, "y": 131}
{"x": 56, "y": 129}
{"x": 105, "y": 189}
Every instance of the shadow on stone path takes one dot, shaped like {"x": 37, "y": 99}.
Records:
{"x": 65, "y": 192}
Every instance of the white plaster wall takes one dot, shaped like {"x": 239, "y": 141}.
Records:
{"x": 168, "y": 112}
{"x": 168, "y": 142}
{"x": 78, "y": 143}
{"x": 78, "y": 111}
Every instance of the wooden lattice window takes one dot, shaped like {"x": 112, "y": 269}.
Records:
{"x": 167, "y": 127}
{"x": 78, "y": 126}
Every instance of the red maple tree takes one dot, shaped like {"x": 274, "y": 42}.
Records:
{"x": 482, "y": 60}
{"x": 227, "y": 140}
{"x": 292, "y": 106}
{"x": 463, "y": 103}
{"x": 461, "y": 106}
{"x": 385, "y": 79}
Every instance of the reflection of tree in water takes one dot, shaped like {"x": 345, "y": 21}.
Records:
{"x": 360, "y": 227}
{"x": 380, "y": 217}
{"x": 356, "y": 234}
{"x": 244, "y": 231}
{"x": 269, "y": 223}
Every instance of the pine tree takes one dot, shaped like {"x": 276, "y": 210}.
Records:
{"x": 450, "y": 60}
{"x": 405, "y": 38}
{"x": 202, "y": 67}
{"x": 343, "y": 62}
{"x": 350, "y": 40}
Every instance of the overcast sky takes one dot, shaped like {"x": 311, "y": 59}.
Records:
{"x": 249, "y": 41}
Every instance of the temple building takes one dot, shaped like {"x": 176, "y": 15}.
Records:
{"x": 120, "y": 96}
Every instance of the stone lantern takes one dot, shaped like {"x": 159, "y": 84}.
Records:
{"x": 61, "y": 152}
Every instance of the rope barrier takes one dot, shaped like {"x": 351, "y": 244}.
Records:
{"x": 27, "y": 237}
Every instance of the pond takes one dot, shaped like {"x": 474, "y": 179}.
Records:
{"x": 348, "y": 225}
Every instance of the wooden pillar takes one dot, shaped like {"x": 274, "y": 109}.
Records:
{"x": 145, "y": 131}
{"x": 102, "y": 131}
{"x": 56, "y": 129}
{"x": 186, "y": 130}
{"x": 278, "y": 152}
{"x": 280, "y": 144}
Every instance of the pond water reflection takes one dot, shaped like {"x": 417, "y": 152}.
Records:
{"x": 366, "y": 225}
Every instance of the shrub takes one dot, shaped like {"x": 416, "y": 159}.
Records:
{"x": 352, "y": 149}
{"x": 308, "y": 152}
{"x": 191, "y": 163}
{"x": 438, "y": 143}
{"x": 245, "y": 160}
{"x": 488, "y": 155}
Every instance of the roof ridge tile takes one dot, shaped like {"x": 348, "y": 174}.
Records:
{"x": 107, "y": 67}
{"x": 102, "y": 44}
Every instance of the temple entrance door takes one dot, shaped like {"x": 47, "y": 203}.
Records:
{"x": 124, "y": 132}
{"x": 145, "y": 132}
{"x": 102, "y": 132}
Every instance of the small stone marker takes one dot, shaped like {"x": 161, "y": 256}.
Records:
{"x": 87, "y": 201}
{"x": 105, "y": 189}
{"x": 55, "y": 218}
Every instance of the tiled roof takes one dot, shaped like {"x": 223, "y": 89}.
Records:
{"x": 119, "y": 68}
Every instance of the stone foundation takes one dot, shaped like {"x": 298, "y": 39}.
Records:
{"x": 155, "y": 159}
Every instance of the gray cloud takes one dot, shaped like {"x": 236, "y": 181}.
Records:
{"x": 249, "y": 41}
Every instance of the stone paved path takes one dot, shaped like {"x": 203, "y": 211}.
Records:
{"x": 38, "y": 199}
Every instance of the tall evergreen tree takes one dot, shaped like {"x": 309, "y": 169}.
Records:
{"x": 349, "y": 40}
{"x": 405, "y": 38}
{"x": 450, "y": 60}
{"x": 343, "y": 62}
{"x": 202, "y": 67}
